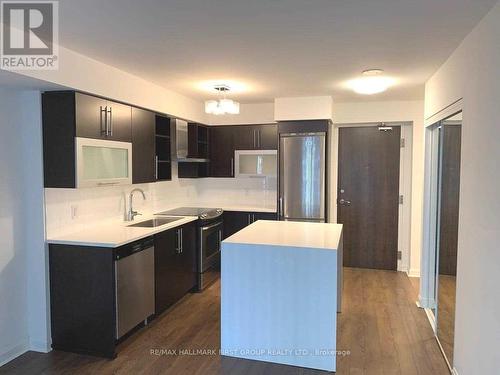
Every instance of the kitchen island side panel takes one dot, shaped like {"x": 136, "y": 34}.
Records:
{"x": 279, "y": 304}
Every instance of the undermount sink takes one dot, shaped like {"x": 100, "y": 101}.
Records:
{"x": 156, "y": 222}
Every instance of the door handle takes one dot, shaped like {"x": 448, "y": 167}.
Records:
{"x": 344, "y": 202}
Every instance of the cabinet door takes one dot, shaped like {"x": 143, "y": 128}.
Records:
{"x": 221, "y": 152}
{"x": 119, "y": 122}
{"x": 235, "y": 221}
{"x": 265, "y": 216}
{"x": 166, "y": 270}
{"x": 93, "y": 115}
{"x": 268, "y": 137}
{"x": 89, "y": 116}
{"x": 188, "y": 256}
{"x": 143, "y": 146}
{"x": 175, "y": 265}
{"x": 245, "y": 137}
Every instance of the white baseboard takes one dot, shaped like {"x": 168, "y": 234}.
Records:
{"x": 431, "y": 318}
{"x": 413, "y": 272}
{"x": 13, "y": 351}
{"x": 424, "y": 302}
{"x": 40, "y": 346}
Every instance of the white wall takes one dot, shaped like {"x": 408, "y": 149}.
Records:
{"x": 303, "y": 108}
{"x": 252, "y": 113}
{"x": 472, "y": 73}
{"x": 23, "y": 308}
{"x": 79, "y": 72}
{"x": 395, "y": 111}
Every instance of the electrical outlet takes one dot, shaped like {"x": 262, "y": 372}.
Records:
{"x": 74, "y": 211}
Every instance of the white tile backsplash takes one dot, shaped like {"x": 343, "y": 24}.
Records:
{"x": 252, "y": 192}
{"x": 70, "y": 210}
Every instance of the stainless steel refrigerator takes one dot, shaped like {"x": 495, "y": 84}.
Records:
{"x": 302, "y": 177}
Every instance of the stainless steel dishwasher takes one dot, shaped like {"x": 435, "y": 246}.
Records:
{"x": 135, "y": 284}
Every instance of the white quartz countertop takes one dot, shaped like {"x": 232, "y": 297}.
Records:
{"x": 290, "y": 234}
{"x": 115, "y": 234}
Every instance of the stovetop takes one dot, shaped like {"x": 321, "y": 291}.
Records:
{"x": 202, "y": 213}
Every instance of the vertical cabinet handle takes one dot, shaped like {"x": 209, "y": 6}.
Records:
{"x": 110, "y": 121}
{"x": 248, "y": 219}
{"x": 182, "y": 243}
{"x": 179, "y": 235}
{"x": 232, "y": 167}
{"x": 281, "y": 206}
{"x": 156, "y": 167}
{"x": 258, "y": 139}
{"x": 254, "y": 138}
{"x": 105, "y": 130}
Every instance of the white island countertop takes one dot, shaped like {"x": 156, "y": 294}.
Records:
{"x": 290, "y": 233}
{"x": 115, "y": 234}
{"x": 281, "y": 285}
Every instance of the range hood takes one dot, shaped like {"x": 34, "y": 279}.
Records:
{"x": 179, "y": 134}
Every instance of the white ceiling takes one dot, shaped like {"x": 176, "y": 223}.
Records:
{"x": 275, "y": 47}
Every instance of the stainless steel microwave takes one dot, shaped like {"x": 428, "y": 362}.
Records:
{"x": 103, "y": 163}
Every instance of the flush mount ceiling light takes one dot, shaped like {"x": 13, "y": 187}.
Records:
{"x": 372, "y": 82}
{"x": 222, "y": 105}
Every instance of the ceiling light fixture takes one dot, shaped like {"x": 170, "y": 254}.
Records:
{"x": 372, "y": 82}
{"x": 222, "y": 105}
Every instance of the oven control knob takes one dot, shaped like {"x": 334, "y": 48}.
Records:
{"x": 203, "y": 216}
{"x": 219, "y": 210}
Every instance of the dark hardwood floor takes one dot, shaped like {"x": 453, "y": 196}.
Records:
{"x": 380, "y": 326}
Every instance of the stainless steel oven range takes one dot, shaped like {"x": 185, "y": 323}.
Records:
{"x": 210, "y": 227}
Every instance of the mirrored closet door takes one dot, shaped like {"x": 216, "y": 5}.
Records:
{"x": 446, "y": 141}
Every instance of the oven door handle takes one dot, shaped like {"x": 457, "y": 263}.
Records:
{"x": 208, "y": 227}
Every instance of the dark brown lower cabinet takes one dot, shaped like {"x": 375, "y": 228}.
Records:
{"x": 175, "y": 265}
{"x": 235, "y": 221}
{"x": 83, "y": 289}
{"x": 82, "y": 299}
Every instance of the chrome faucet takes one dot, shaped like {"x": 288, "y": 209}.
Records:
{"x": 130, "y": 214}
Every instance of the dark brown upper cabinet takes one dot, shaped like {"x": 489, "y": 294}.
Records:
{"x": 224, "y": 140}
{"x": 163, "y": 146}
{"x": 143, "y": 146}
{"x": 101, "y": 118}
{"x": 256, "y": 137}
{"x": 267, "y": 137}
{"x": 245, "y": 137}
{"x": 197, "y": 141}
{"x": 222, "y": 151}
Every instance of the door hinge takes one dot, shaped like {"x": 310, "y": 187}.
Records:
{"x": 400, "y": 255}
{"x": 401, "y": 199}
{"x": 402, "y": 142}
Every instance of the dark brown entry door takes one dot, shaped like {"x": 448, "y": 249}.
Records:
{"x": 368, "y": 196}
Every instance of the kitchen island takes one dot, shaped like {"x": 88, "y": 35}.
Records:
{"x": 281, "y": 284}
